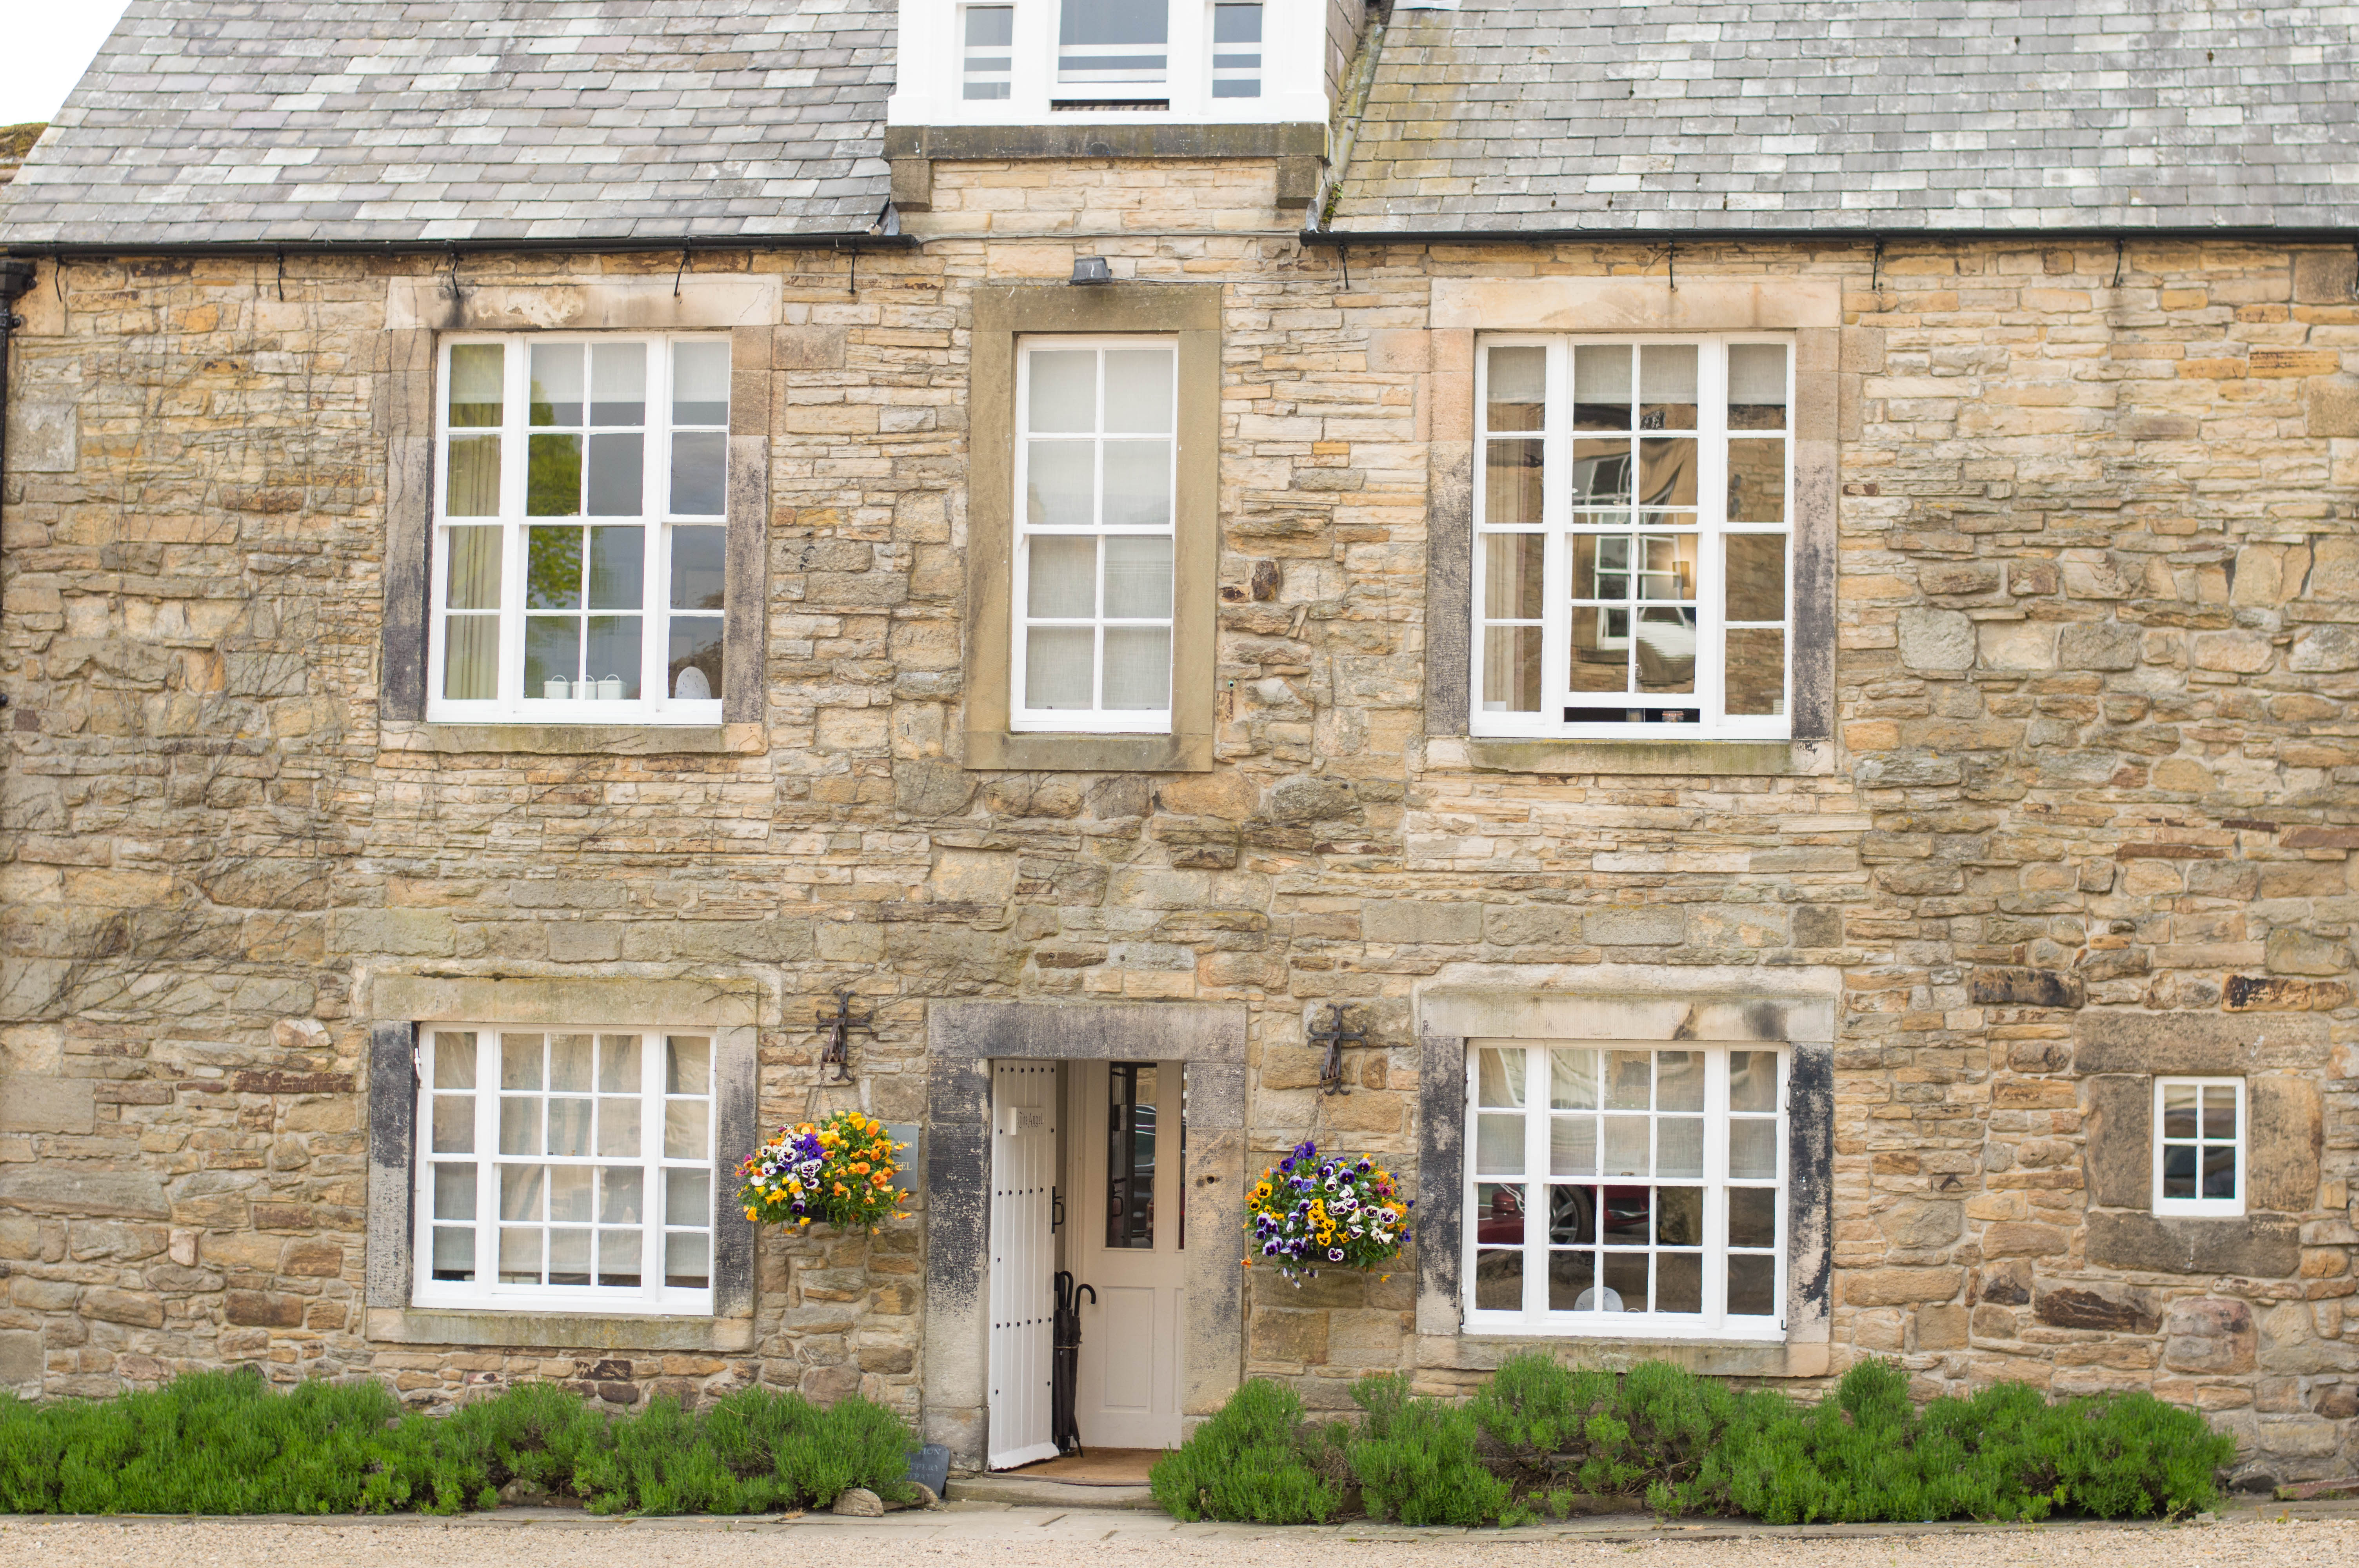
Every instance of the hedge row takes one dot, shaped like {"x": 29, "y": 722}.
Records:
{"x": 225, "y": 1443}
{"x": 1538, "y": 1439}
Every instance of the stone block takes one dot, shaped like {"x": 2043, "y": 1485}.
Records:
{"x": 2296, "y": 952}
{"x": 1919, "y": 1225}
{"x": 1420, "y": 921}
{"x": 2259, "y": 1248}
{"x": 2331, "y": 407}
{"x": 2018, "y": 1239}
{"x": 1635, "y": 927}
{"x": 2209, "y": 1334}
{"x": 72, "y": 1189}
{"x": 1941, "y": 1328}
{"x": 2099, "y": 646}
{"x": 1295, "y": 1336}
{"x": 1898, "y": 1286}
{"x": 32, "y": 1103}
{"x": 22, "y": 1359}
{"x": 1522, "y": 924}
{"x": 2011, "y": 985}
{"x": 1939, "y": 642}
{"x": 2115, "y": 1308}
{"x": 260, "y": 1309}
{"x": 131, "y": 1307}
{"x": 2285, "y": 1136}
{"x": 2116, "y": 1040}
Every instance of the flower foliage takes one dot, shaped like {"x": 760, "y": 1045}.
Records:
{"x": 837, "y": 1171}
{"x": 1306, "y": 1214}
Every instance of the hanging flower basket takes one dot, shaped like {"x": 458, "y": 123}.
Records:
{"x": 1306, "y": 1214}
{"x": 837, "y": 1171}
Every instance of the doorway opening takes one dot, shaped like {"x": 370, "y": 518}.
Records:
{"x": 1088, "y": 1288}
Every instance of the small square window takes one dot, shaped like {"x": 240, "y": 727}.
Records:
{"x": 2198, "y": 1147}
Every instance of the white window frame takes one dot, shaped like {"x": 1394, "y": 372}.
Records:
{"x": 929, "y": 73}
{"x": 1094, "y": 720}
{"x": 1713, "y": 1322}
{"x": 485, "y": 1293}
{"x": 2202, "y": 1208}
{"x": 1558, "y": 528}
{"x": 513, "y": 705}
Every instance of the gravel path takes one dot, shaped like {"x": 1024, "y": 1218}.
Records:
{"x": 1050, "y": 1538}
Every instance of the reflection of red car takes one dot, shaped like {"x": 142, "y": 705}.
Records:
{"x": 1572, "y": 1220}
{"x": 1502, "y": 1224}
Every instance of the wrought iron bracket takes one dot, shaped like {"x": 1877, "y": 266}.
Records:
{"x": 1335, "y": 1037}
{"x": 839, "y": 1026}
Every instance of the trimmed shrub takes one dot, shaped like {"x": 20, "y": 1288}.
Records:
{"x": 1255, "y": 1461}
{"x": 1415, "y": 1462}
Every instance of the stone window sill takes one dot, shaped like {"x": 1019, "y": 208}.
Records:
{"x": 1716, "y": 758}
{"x": 1481, "y": 1352}
{"x": 557, "y": 1331}
{"x": 1029, "y": 752}
{"x": 574, "y": 739}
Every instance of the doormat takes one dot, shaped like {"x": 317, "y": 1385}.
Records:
{"x": 1098, "y": 1467}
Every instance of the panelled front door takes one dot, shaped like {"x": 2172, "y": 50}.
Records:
{"x": 1127, "y": 1230}
{"x": 1023, "y": 1259}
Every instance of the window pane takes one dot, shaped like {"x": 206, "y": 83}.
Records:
{"x": 1061, "y": 578}
{"x": 472, "y": 582}
{"x": 618, "y": 1063}
{"x": 2178, "y": 1171}
{"x": 1678, "y": 1283}
{"x": 1571, "y": 1280}
{"x": 1630, "y": 1077}
{"x": 1499, "y": 1077}
{"x": 519, "y": 1125}
{"x": 1138, "y": 577}
{"x": 1062, "y": 390}
{"x": 454, "y": 1253}
{"x": 1753, "y": 1080}
{"x": 1572, "y": 1217}
{"x": 556, "y": 384}
{"x": 619, "y": 1252}
{"x": 990, "y": 41}
{"x": 1512, "y": 481}
{"x": 1625, "y": 1283}
{"x": 1601, "y": 388}
{"x": 455, "y": 1059}
{"x": 618, "y": 1127}
{"x": 477, "y": 384}
{"x": 1757, "y": 577}
{"x": 613, "y": 656}
{"x": 454, "y": 1124}
{"x": 570, "y": 1193}
{"x": 519, "y": 1257}
{"x": 1667, "y": 386}
{"x": 1112, "y": 42}
{"x": 687, "y": 1260}
{"x": 1678, "y": 1216}
{"x": 1499, "y": 1145}
{"x": 1755, "y": 675}
{"x": 472, "y": 486}
{"x": 688, "y": 1064}
{"x": 694, "y": 663}
{"x": 1572, "y": 1146}
{"x": 2219, "y": 1111}
{"x": 698, "y": 567}
{"x": 1600, "y": 650}
{"x": 1752, "y": 1286}
{"x": 552, "y": 577}
{"x": 1138, "y": 484}
{"x": 1137, "y": 668}
{"x": 1756, "y": 386}
{"x": 1757, "y": 481}
{"x": 519, "y": 1061}
{"x": 1516, "y": 391}
{"x": 1752, "y": 1150}
{"x": 1678, "y": 1146}
{"x": 700, "y": 383}
{"x": 684, "y": 1123}
{"x": 1572, "y": 1084}
{"x": 1511, "y": 669}
{"x": 1600, "y": 473}
{"x": 568, "y": 1257}
{"x": 2220, "y": 1170}
{"x": 617, "y": 474}
{"x": 618, "y": 558}
{"x": 1666, "y": 474}
{"x": 553, "y": 476}
{"x": 1512, "y": 587}
{"x": 1498, "y": 1214}
{"x": 699, "y": 470}
{"x": 1138, "y": 391}
{"x": 569, "y": 1127}
{"x": 552, "y": 655}
{"x": 1057, "y": 661}
{"x": 1666, "y": 651}
{"x": 619, "y": 1190}
{"x": 618, "y": 384}
{"x": 569, "y": 1064}
{"x": 2178, "y": 1110}
{"x": 1236, "y": 51}
{"x": 687, "y": 1197}
{"x": 1500, "y": 1281}
{"x": 1629, "y": 1217}
{"x": 521, "y": 1190}
{"x": 1678, "y": 1080}
{"x": 1752, "y": 1217}
{"x": 1625, "y": 1145}
{"x": 1060, "y": 484}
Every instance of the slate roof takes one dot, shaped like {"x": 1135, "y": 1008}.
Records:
{"x": 1878, "y": 114}
{"x": 245, "y": 120}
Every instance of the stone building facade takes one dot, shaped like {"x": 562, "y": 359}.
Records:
{"x": 2065, "y": 807}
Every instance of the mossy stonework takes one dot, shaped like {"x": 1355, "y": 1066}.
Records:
{"x": 2083, "y": 814}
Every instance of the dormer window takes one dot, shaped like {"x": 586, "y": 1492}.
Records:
{"x": 1041, "y": 62}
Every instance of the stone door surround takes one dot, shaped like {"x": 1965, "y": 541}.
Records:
{"x": 962, "y": 1039}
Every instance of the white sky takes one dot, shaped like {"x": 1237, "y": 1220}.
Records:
{"x": 47, "y": 46}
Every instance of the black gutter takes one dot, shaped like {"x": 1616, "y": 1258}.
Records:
{"x": 652, "y": 245}
{"x": 2246, "y": 233}
{"x": 16, "y": 282}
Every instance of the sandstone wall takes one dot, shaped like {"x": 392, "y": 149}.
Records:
{"x": 2093, "y": 806}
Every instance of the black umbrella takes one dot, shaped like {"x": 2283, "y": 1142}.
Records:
{"x": 1064, "y": 1430}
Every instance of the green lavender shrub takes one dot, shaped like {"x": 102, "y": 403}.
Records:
{"x": 1254, "y": 1460}
{"x": 1416, "y": 1460}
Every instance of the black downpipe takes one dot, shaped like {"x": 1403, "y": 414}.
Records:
{"x": 16, "y": 282}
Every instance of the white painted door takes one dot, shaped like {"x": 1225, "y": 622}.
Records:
{"x": 1125, "y": 1244}
{"x": 1023, "y": 1259}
